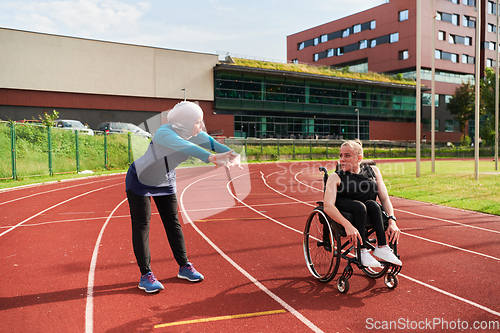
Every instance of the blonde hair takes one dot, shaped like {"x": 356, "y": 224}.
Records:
{"x": 355, "y": 145}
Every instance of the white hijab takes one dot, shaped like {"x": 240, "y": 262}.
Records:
{"x": 183, "y": 116}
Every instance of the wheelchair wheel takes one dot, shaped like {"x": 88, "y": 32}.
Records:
{"x": 321, "y": 242}
{"x": 343, "y": 285}
{"x": 376, "y": 273}
{"x": 391, "y": 281}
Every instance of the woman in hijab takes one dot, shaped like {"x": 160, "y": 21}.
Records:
{"x": 153, "y": 175}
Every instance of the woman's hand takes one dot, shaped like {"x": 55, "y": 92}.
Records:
{"x": 227, "y": 159}
{"x": 393, "y": 232}
{"x": 353, "y": 235}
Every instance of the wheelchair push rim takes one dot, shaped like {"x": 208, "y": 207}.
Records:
{"x": 320, "y": 246}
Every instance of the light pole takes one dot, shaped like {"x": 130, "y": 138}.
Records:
{"x": 357, "y": 113}
{"x": 184, "y": 89}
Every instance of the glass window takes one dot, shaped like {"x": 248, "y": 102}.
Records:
{"x": 363, "y": 44}
{"x": 330, "y": 53}
{"x": 356, "y": 28}
{"x": 373, "y": 43}
{"x": 403, "y": 15}
{"x": 451, "y": 39}
{"x": 394, "y": 37}
{"x": 492, "y": 7}
{"x": 454, "y": 58}
{"x": 316, "y": 41}
{"x": 340, "y": 51}
{"x": 454, "y": 19}
{"x": 373, "y": 25}
{"x": 345, "y": 33}
{"x": 441, "y": 35}
{"x": 302, "y": 45}
{"x": 324, "y": 38}
{"x": 316, "y": 57}
{"x": 403, "y": 55}
{"x": 437, "y": 54}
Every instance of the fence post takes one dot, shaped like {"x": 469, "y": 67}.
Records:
{"x": 13, "y": 149}
{"x": 49, "y": 139}
{"x": 77, "y": 148}
{"x": 105, "y": 151}
{"x": 278, "y": 146}
{"x": 129, "y": 148}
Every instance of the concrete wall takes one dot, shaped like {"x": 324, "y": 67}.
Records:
{"x": 34, "y": 61}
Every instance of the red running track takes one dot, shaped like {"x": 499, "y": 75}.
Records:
{"x": 68, "y": 266}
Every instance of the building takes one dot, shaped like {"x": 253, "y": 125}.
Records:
{"x": 97, "y": 81}
{"x": 383, "y": 40}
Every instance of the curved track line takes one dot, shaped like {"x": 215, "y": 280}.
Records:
{"x": 47, "y": 209}
{"x": 54, "y": 190}
{"x": 89, "y": 307}
{"x": 415, "y": 280}
{"x": 297, "y": 314}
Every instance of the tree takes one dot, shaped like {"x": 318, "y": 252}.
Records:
{"x": 461, "y": 105}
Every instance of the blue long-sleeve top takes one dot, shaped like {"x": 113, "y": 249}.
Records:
{"x": 154, "y": 172}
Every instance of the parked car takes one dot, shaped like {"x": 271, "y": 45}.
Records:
{"x": 74, "y": 125}
{"x": 111, "y": 127}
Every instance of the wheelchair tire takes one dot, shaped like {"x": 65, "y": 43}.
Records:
{"x": 343, "y": 285}
{"x": 321, "y": 241}
{"x": 391, "y": 281}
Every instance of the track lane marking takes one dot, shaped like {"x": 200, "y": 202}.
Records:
{"x": 285, "y": 305}
{"x": 89, "y": 306}
{"x": 205, "y": 320}
{"x": 54, "y": 206}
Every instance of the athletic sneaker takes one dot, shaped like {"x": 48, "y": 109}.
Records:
{"x": 385, "y": 253}
{"x": 367, "y": 259}
{"x": 189, "y": 273}
{"x": 149, "y": 283}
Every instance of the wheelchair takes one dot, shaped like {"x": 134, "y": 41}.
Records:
{"x": 323, "y": 249}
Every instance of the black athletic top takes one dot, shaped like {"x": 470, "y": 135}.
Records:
{"x": 361, "y": 186}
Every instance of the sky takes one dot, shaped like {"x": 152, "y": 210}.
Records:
{"x": 252, "y": 29}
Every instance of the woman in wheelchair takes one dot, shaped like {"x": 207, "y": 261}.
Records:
{"x": 355, "y": 189}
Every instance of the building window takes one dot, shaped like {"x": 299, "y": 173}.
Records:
{"x": 324, "y": 38}
{"x": 492, "y": 8}
{"x": 295, "y": 61}
{"x": 452, "y": 125}
{"x": 451, "y": 39}
{"x": 373, "y": 25}
{"x": 491, "y": 63}
{"x": 363, "y": 44}
{"x": 394, "y": 37}
{"x": 345, "y": 33}
{"x": 447, "y": 98}
{"x": 330, "y": 53}
{"x": 492, "y": 27}
{"x": 489, "y": 45}
{"x": 469, "y": 21}
{"x": 438, "y": 54}
{"x": 469, "y": 2}
{"x": 316, "y": 56}
{"x": 340, "y": 51}
{"x": 441, "y": 35}
{"x": 373, "y": 43}
{"x": 454, "y": 39}
{"x": 467, "y": 59}
{"x": 316, "y": 41}
{"x": 403, "y": 15}
{"x": 356, "y": 28}
{"x": 426, "y": 99}
{"x": 456, "y": 1}
{"x": 403, "y": 55}
{"x": 301, "y": 46}
{"x": 446, "y": 17}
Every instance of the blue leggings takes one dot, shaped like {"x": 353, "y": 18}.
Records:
{"x": 361, "y": 210}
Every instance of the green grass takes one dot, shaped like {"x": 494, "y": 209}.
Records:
{"x": 453, "y": 184}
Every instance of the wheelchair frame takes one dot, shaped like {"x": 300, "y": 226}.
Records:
{"x": 323, "y": 249}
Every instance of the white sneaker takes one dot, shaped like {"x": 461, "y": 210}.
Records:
{"x": 367, "y": 260}
{"x": 385, "y": 253}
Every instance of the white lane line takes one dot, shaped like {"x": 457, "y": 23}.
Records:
{"x": 54, "y": 190}
{"x": 285, "y": 305}
{"x": 47, "y": 209}
{"x": 420, "y": 282}
{"x": 452, "y": 246}
{"x": 448, "y": 221}
{"x": 89, "y": 308}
